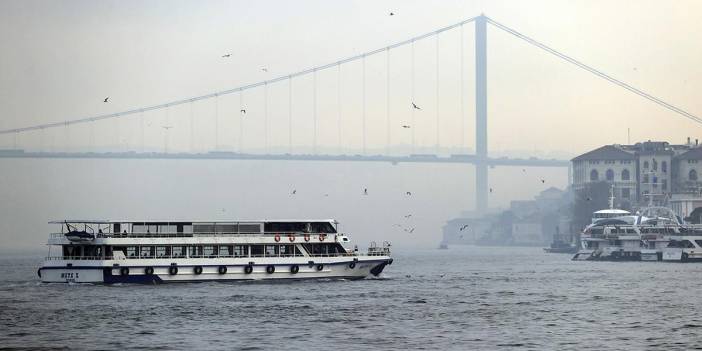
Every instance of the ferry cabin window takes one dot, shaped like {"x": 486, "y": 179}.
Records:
{"x": 178, "y": 251}
{"x": 210, "y": 251}
{"x": 131, "y": 251}
{"x": 688, "y": 244}
{"x": 249, "y": 228}
{"x": 226, "y": 228}
{"x": 322, "y": 227}
{"x": 167, "y": 229}
{"x": 147, "y": 251}
{"x": 256, "y": 250}
{"x": 287, "y": 250}
{"x": 162, "y": 251}
{"x": 203, "y": 228}
{"x": 698, "y": 242}
{"x": 195, "y": 251}
{"x": 271, "y": 250}
{"x": 225, "y": 250}
{"x": 240, "y": 251}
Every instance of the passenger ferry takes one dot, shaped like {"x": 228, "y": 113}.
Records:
{"x": 654, "y": 234}
{"x": 193, "y": 251}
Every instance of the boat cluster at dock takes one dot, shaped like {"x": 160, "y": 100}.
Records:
{"x": 651, "y": 234}
{"x": 187, "y": 251}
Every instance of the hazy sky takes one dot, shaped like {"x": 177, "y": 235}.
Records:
{"x": 61, "y": 58}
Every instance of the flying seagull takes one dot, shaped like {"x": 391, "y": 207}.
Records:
{"x": 415, "y": 106}
{"x": 392, "y": 14}
{"x": 543, "y": 181}
{"x": 463, "y": 227}
{"x": 365, "y": 191}
{"x": 408, "y": 216}
{"x": 490, "y": 189}
{"x": 243, "y": 112}
{"x": 294, "y": 191}
{"x": 106, "y": 99}
{"x": 264, "y": 69}
{"x": 409, "y": 193}
{"x": 227, "y": 55}
{"x": 405, "y": 126}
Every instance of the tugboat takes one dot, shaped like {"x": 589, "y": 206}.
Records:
{"x": 192, "y": 251}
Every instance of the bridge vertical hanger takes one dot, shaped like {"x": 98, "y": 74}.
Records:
{"x": 387, "y": 101}
{"x": 338, "y": 105}
{"x": 462, "y": 96}
{"x": 241, "y": 121}
{"x": 289, "y": 115}
{"x": 363, "y": 88}
{"x": 481, "y": 186}
{"x": 412, "y": 126}
{"x": 437, "y": 95}
{"x": 216, "y": 102}
{"x": 192, "y": 129}
{"x": 314, "y": 111}
{"x": 265, "y": 117}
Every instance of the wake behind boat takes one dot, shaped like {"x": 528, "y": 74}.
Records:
{"x": 159, "y": 252}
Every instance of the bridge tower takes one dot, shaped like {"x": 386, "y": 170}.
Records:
{"x": 481, "y": 167}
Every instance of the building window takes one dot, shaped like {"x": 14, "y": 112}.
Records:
{"x": 655, "y": 165}
{"x": 645, "y": 178}
{"x": 664, "y": 167}
{"x": 594, "y": 176}
{"x": 692, "y": 175}
{"x": 646, "y": 164}
{"x": 626, "y": 193}
{"x": 625, "y": 174}
{"x": 664, "y": 184}
{"x": 610, "y": 175}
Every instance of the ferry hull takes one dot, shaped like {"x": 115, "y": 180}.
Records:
{"x": 106, "y": 272}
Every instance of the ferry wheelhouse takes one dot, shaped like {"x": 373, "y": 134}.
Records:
{"x": 188, "y": 251}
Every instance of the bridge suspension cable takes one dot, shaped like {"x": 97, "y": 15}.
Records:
{"x": 595, "y": 71}
{"x": 238, "y": 89}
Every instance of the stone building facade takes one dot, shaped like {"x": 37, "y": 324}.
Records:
{"x": 651, "y": 169}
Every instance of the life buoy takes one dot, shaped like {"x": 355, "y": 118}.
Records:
{"x": 197, "y": 270}
{"x": 149, "y": 270}
{"x": 291, "y": 237}
{"x": 294, "y": 269}
{"x": 248, "y": 269}
{"x": 277, "y": 237}
{"x": 124, "y": 271}
{"x": 270, "y": 269}
{"x": 352, "y": 265}
{"x": 307, "y": 237}
{"x": 172, "y": 270}
{"x": 320, "y": 267}
{"x": 322, "y": 237}
{"x": 222, "y": 270}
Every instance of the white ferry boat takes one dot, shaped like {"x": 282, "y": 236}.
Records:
{"x": 654, "y": 234}
{"x": 192, "y": 251}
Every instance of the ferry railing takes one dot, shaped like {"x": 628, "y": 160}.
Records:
{"x": 299, "y": 236}
{"x": 88, "y": 258}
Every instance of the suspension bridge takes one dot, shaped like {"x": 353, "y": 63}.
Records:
{"x": 266, "y": 123}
